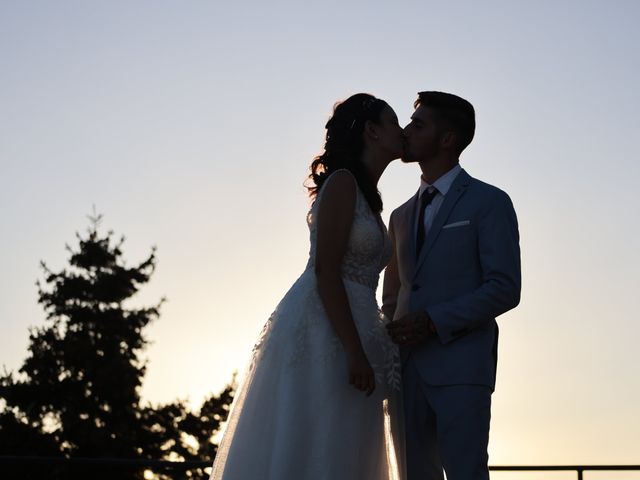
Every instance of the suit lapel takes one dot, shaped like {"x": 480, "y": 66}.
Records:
{"x": 412, "y": 211}
{"x": 408, "y": 220}
{"x": 457, "y": 189}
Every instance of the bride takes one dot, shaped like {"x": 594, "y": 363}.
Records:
{"x": 320, "y": 399}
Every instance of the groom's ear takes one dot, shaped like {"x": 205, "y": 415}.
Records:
{"x": 449, "y": 139}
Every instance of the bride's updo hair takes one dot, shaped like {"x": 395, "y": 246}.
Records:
{"x": 344, "y": 144}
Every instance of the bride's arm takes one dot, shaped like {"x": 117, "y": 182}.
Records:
{"x": 391, "y": 284}
{"x": 335, "y": 216}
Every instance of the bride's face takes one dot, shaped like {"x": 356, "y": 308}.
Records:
{"x": 390, "y": 136}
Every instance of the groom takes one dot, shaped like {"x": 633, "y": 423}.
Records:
{"x": 455, "y": 268}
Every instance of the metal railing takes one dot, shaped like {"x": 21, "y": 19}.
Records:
{"x": 166, "y": 465}
{"x": 579, "y": 469}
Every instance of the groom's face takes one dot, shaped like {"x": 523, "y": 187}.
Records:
{"x": 422, "y": 136}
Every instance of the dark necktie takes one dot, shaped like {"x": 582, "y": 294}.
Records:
{"x": 425, "y": 199}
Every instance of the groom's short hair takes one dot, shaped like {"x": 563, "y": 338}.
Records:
{"x": 454, "y": 112}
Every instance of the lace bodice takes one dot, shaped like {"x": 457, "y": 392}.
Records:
{"x": 299, "y": 332}
{"x": 369, "y": 246}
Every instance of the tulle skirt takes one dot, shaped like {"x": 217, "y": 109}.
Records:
{"x": 296, "y": 417}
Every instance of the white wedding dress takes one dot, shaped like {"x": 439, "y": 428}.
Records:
{"x": 295, "y": 417}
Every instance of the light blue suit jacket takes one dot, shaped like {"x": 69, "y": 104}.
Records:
{"x": 467, "y": 273}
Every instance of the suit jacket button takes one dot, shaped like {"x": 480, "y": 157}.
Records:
{"x": 415, "y": 288}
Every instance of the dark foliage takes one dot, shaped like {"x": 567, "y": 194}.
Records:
{"x": 77, "y": 393}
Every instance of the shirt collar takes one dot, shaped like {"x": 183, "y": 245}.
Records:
{"x": 443, "y": 183}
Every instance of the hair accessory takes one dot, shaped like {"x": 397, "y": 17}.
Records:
{"x": 366, "y": 105}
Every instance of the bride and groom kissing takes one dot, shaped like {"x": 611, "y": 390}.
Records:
{"x": 338, "y": 388}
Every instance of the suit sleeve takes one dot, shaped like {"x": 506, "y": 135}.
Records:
{"x": 499, "y": 255}
{"x": 391, "y": 284}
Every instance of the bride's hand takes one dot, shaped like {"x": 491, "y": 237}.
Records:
{"x": 361, "y": 374}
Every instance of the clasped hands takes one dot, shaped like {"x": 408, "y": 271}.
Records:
{"x": 412, "y": 329}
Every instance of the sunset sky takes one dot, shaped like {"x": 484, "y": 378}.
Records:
{"x": 191, "y": 125}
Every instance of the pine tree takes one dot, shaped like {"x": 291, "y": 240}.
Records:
{"x": 77, "y": 393}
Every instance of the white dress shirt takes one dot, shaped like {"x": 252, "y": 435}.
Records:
{"x": 443, "y": 184}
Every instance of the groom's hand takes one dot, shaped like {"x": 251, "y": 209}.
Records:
{"x": 411, "y": 330}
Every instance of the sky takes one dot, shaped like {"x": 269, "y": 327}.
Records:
{"x": 191, "y": 126}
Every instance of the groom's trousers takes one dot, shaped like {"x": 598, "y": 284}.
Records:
{"x": 446, "y": 427}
